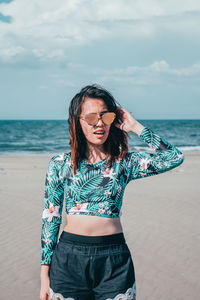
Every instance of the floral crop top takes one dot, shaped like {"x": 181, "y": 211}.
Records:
{"x": 97, "y": 190}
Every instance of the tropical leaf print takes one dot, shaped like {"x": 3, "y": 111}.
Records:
{"x": 86, "y": 183}
{"x": 54, "y": 192}
{"x": 143, "y": 164}
{"x": 66, "y": 168}
{"x": 49, "y": 236}
{"x": 111, "y": 179}
{"x": 52, "y": 209}
{"x": 97, "y": 190}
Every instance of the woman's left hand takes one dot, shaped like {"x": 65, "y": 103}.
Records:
{"x": 129, "y": 123}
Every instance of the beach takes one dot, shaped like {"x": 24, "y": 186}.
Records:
{"x": 160, "y": 219}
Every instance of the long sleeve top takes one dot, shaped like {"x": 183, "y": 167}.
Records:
{"x": 95, "y": 189}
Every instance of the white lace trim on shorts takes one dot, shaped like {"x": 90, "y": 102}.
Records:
{"x": 58, "y": 296}
{"x": 129, "y": 295}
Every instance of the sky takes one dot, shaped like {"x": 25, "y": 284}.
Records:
{"x": 145, "y": 52}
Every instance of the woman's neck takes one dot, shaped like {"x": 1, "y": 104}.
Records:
{"x": 95, "y": 153}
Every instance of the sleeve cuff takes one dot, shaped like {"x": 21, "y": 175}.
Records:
{"x": 47, "y": 259}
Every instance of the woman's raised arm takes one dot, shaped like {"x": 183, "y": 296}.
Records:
{"x": 142, "y": 164}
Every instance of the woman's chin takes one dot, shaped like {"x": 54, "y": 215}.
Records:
{"x": 97, "y": 142}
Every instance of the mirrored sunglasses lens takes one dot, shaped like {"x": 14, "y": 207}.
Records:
{"x": 91, "y": 119}
{"x": 108, "y": 118}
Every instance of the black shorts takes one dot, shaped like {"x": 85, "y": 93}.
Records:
{"x": 92, "y": 268}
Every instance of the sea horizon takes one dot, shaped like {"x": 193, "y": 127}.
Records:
{"x": 50, "y": 136}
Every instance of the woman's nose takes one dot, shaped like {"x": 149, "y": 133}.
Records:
{"x": 100, "y": 121}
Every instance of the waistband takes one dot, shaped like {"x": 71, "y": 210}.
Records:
{"x": 116, "y": 238}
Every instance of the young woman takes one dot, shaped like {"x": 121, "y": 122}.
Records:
{"x": 91, "y": 259}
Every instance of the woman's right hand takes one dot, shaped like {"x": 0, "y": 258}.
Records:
{"x": 45, "y": 288}
{"x": 128, "y": 122}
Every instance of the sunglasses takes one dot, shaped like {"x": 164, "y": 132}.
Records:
{"x": 93, "y": 118}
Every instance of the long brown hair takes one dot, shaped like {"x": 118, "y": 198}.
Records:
{"x": 116, "y": 145}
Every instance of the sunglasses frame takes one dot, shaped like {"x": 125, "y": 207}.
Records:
{"x": 99, "y": 117}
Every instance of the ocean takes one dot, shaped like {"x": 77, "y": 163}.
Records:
{"x": 49, "y": 137}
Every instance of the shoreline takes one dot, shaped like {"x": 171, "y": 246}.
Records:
{"x": 58, "y": 152}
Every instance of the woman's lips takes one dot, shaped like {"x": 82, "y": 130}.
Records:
{"x": 99, "y": 133}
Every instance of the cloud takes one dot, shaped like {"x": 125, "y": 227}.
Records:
{"x": 157, "y": 73}
{"x": 47, "y": 30}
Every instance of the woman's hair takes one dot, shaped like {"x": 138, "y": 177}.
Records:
{"x": 116, "y": 145}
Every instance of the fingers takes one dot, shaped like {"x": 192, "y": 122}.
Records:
{"x": 121, "y": 109}
{"x": 117, "y": 125}
{"x": 45, "y": 296}
{"x": 120, "y": 126}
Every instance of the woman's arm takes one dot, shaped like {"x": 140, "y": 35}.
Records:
{"x": 143, "y": 164}
{"x": 45, "y": 282}
{"x": 51, "y": 220}
{"x": 52, "y": 210}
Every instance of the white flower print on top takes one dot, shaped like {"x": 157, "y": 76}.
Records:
{"x": 144, "y": 163}
{"x": 52, "y": 211}
{"x": 60, "y": 157}
{"x": 152, "y": 146}
{"x": 80, "y": 207}
{"x": 107, "y": 193}
{"x": 119, "y": 188}
{"x": 109, "y": 173}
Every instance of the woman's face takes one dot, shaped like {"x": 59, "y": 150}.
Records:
{"x": 94, "y": 134}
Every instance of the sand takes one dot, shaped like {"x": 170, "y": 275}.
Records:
{"x": 160, "y": 220}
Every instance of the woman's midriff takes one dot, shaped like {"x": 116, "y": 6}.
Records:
{"x": 92, "y": 225}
